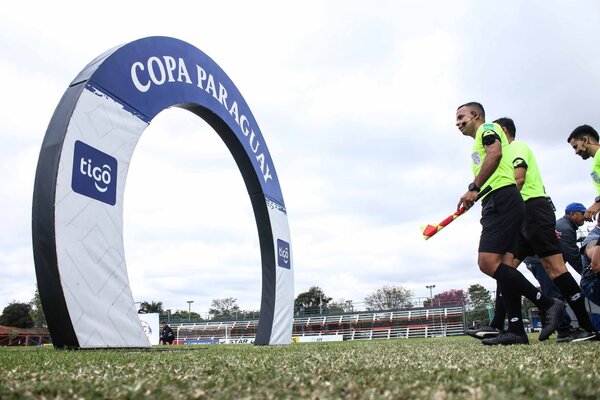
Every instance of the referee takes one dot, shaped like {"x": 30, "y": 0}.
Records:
{"x": 502, "y": 215}
{"x": 584, "y": 140}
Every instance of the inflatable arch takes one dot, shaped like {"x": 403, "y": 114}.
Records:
{"x": 77, "y": 219}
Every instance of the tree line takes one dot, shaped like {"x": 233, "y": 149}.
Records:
{"x": 477, "y": 301}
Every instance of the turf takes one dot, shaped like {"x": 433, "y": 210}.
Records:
{"x": 441, "y": 368}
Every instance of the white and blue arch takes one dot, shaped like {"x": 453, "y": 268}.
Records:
{"x": 80, "y": 180}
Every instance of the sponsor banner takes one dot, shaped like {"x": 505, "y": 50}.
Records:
{"x": 94, "y": 173}
{"x": 150, "y": 326}
{"x": 284, "y": 276}
{"x": 237, "y": 341}
{"x": 316, "y": 339}
{"x": 201, "y": 341}
{"x": 283, "y": 254}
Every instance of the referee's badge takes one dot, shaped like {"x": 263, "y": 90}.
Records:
{"x": 595, "y": 177}
{"x": 476, "y": 158}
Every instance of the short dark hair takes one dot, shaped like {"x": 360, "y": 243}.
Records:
{"x": 509, "y": 124}
{"x": 477, "y": 106}
{"x": 581, "y": 131}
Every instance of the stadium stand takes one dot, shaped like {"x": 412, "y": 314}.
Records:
{"x": 364, "y": 325}
{"x": 10, "y": 336}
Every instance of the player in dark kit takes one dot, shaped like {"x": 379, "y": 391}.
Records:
{"x": 501, "y": 219}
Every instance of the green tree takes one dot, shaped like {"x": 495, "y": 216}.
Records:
{"x": 479, "y": 296}
{"x": 313, "y": 301}
{"x": 248, "y": 314}
{"x": 17, "y": 315}
{"x": 37, "y": 313}
{"x": 181, "y": 316}
{"x": 389, "y": 297}
{"x": 480, "y": 305}
{"x": 154, "y": 306}
{"x": 340, "y": 306}
{"x": 224, "y": 308}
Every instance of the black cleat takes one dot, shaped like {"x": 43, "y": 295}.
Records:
{"x": 483, "y": 333}
{"x": 565, "y": 336}
{"x": 506, "y": 338}
{"x": 553, "y": 316}
{"x": 580, "y": 334}
{"x": 576, "y": 335}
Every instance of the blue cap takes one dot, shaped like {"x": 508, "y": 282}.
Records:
{"x": 575, "y": 207}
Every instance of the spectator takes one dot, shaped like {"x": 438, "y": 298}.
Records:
{"x": 143, "y": 308}
{"x": 567, "y": 227}
{"x": 166, "y": 336}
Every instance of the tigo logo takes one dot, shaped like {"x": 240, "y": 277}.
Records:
{"x": 283, "y": 254}
{"x": 94, "y": 174}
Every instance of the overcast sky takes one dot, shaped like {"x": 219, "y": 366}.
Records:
{"x": 356, "y": 101}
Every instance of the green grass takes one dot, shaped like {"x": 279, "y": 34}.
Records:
{"x": 442, "y": 368}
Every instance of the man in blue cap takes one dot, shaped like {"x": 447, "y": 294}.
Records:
{"x": 567, "y": 225}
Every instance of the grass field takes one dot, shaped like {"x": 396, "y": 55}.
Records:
{"x": 441, "y": 368}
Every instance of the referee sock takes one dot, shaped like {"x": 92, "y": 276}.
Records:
{"x": 499, "y": 309}
{"x": 512, "y": 279}
{"x": 512, "y": 303}
{"x": 572, "y": 292}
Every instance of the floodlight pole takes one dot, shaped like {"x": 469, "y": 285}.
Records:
{"x": 190, "y": 309}
{"x": 321, "y": 303}
{"x": 430, "y": 287}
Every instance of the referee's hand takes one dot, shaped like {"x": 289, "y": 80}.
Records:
{"x": 467, "y": 200}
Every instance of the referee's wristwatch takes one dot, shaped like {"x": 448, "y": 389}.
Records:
{"x": 597, "y": 199}
{"x": 474, "y": 188}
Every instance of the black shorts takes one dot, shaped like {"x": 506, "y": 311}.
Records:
{"x": 501, "y": 218}
{"x": 538, "y": 234}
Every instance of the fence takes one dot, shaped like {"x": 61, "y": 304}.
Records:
{"x": 366, "y": 325}
{"x": 10, "y": 336}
